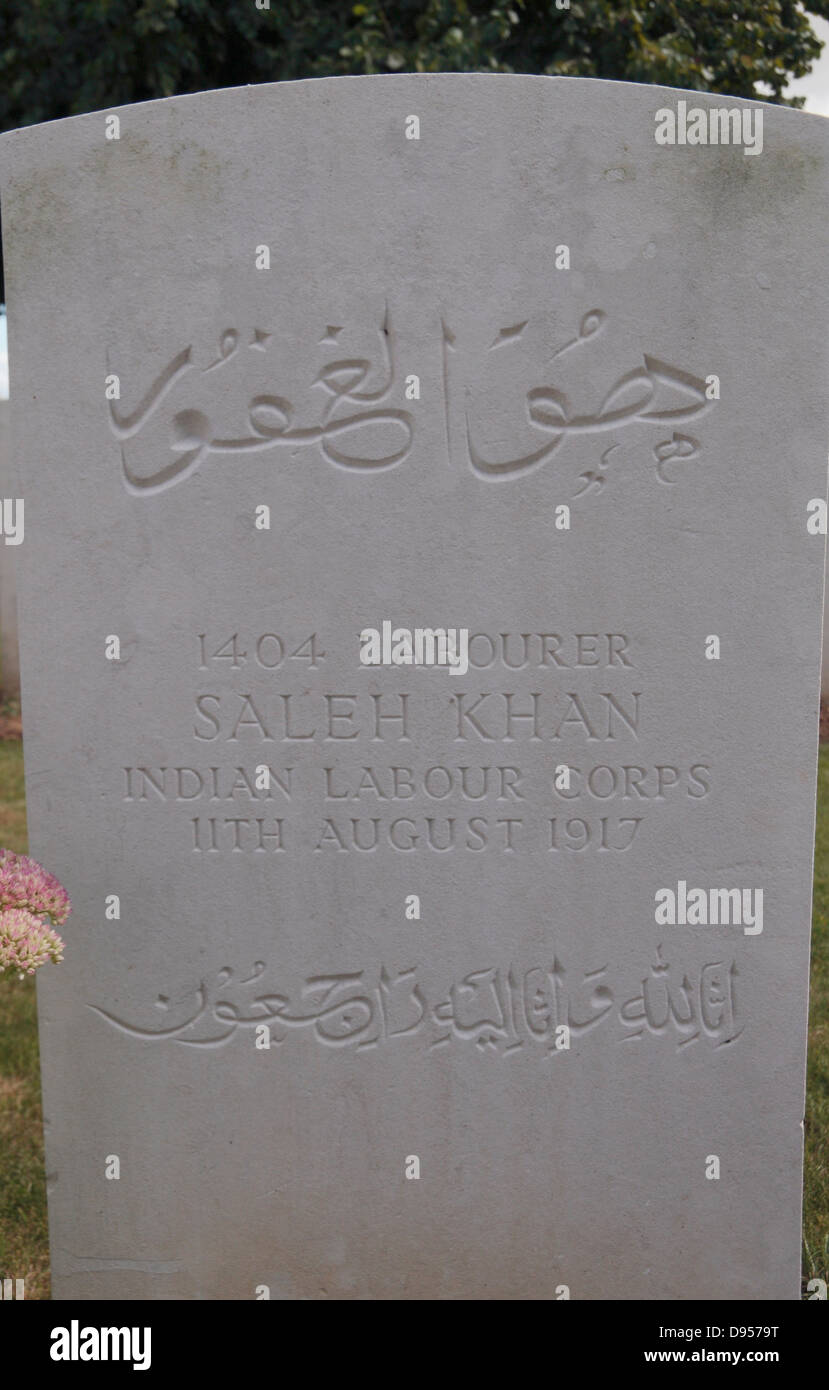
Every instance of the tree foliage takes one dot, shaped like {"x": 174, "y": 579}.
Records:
{"x": 63, "y": 57}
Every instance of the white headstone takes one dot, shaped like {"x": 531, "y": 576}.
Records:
{"x": 9, "y": 659}
{"x": 524, "y": 357}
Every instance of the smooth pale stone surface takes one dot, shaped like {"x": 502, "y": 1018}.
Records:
{"x": 435, "y": 1038}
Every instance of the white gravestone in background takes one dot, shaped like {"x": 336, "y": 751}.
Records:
{"x": 11, "y": 536}
{"x": 398, "y": 981}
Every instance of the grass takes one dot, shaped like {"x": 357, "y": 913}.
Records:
{"x": 816, "y": 1169}
{"x": 12, "y": 797}
{"x": 24, "y": 1250}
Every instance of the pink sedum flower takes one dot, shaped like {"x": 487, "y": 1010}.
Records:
{"x": 26, "y": 943}
{"x": 27, "y": 895}
{"x": 24, "y": 884}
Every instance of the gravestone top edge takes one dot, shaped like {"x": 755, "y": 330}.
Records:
{"x": 10, "y": 139}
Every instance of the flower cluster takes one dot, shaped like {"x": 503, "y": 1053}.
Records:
{"x": 26, "y": 942}
{"x": 27, "y": 895}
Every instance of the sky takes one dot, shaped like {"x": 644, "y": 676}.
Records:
{"x": 815, "y": 88}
